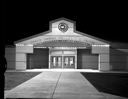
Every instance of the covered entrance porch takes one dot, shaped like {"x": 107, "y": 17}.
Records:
{"x": 62, "y": 47}
{"x": 63, "y": 58}
{"x": 66, "y": 54}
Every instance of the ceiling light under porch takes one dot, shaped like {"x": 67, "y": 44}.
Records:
{"x": 63, "y": 43}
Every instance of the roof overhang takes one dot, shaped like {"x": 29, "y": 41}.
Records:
{"x": 56, "y": 38}
{"x": 63, "y": 43}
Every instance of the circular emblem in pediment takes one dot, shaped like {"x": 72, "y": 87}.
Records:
{"x": 63, "y": 27}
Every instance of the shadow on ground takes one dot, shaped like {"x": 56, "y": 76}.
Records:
{"x": 112, "y": 83}
{"x": 13, "y": 79}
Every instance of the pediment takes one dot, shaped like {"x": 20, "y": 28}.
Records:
{"x": 62, "y": 29}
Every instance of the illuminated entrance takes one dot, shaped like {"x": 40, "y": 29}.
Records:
{"x": 62, "y": 61}
{"x": 62, "y": 47}
{"x": 63, "y": 57}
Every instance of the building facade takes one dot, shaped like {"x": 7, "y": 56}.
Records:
{"x": 62, "y": 46}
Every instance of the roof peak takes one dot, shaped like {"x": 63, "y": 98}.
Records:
{"x": 62, "y": 18}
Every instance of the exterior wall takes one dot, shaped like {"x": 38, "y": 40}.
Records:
{"x": 10, "y": 57}
{"x": 103, "y": 52}
{"x": 20, "y": 61}
{"x": 119, "y": 59}
{"x": 38, "y": 59}
{"x": 21, "y": 51}
{"x": 56, "y": 31}
{"x": 104, "y": 61}
{"x": 86, "y": 60}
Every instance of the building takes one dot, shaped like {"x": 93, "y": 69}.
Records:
{"x": 62, "y": 46}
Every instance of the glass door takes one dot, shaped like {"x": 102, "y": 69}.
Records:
{"x": 56, "y": 61}
{"x": 62, "y": 62}
{"x": 69, "y": 62}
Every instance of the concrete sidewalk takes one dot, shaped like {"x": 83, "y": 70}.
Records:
{"x": 75, "y": 86}
{"x": 41, "y": 86}
{"x": 60, "y": 85}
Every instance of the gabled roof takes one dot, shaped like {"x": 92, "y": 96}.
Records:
{"x": 90, "y": 36}
{"x": 33, "y": 36}
{"x": 62, "y": 18}
{"x": 50, "y": 30}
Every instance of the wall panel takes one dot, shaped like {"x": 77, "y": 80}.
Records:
{"x": 86, "y": 60}
{"x": 10, "y": 57}
{"x": 39, "y": 59}
{"x": 118, "y": 59}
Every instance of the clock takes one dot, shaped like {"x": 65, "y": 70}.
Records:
{"x": 63, "y": 27}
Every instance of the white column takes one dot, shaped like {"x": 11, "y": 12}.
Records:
{"x": 21, "y": 60}
{"x": 49, "y": 59}
{"x": 104, "y": 61}
{"x": 62, "y": 59}
{"x": 76, "y": 60}
{"x": 99, "y": 62}
{"x": 103, "y": 52}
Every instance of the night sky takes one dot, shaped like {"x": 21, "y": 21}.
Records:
{"x": 21, "y": 19}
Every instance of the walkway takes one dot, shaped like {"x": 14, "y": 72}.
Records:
{"x": 61, "y": 85}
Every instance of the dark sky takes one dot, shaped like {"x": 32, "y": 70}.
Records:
{"x": 21, "y": 19}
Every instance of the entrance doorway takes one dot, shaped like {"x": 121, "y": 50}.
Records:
{"x": 62, "y": 62}
{"x": 69, "y": 62}
{"x": 56, "y": 61}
